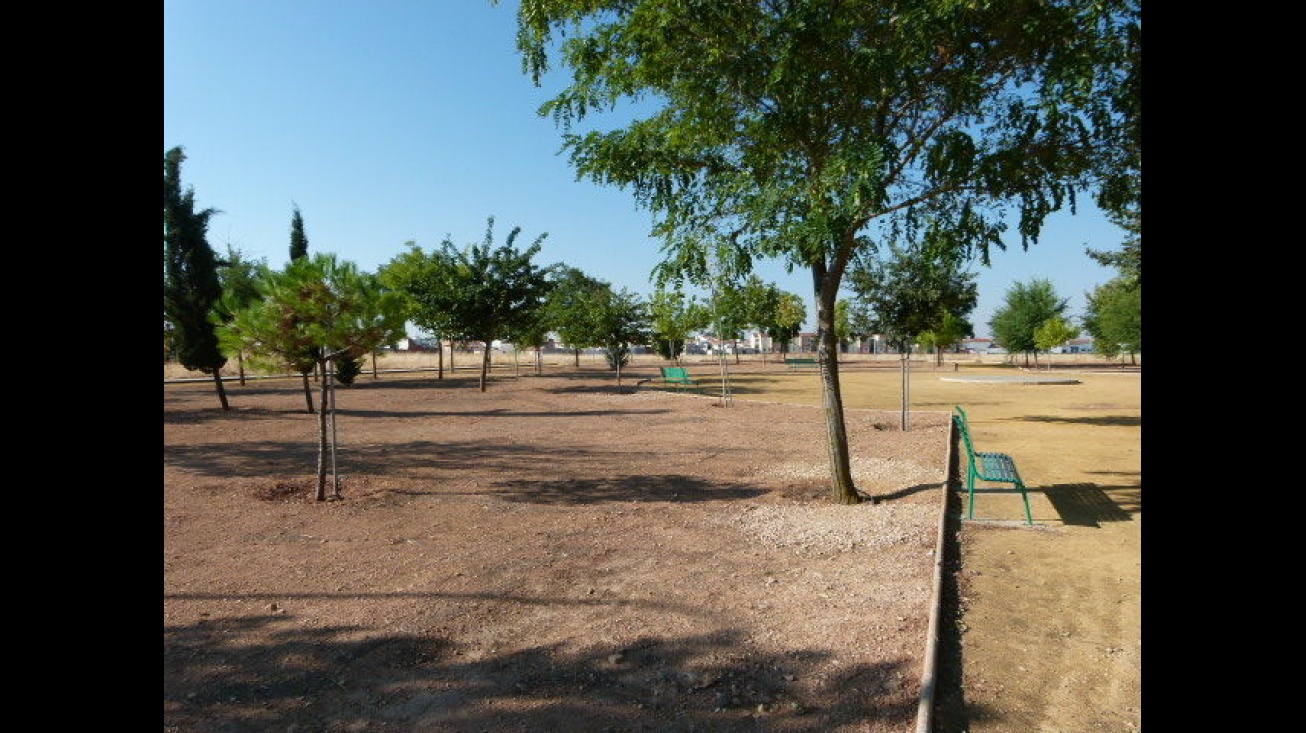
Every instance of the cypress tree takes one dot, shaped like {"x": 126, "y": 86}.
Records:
{"x": 191, "y": 286}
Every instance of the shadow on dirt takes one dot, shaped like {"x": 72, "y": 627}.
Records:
{"x": 577, "y": 491}
{"x": 272, "y": 672}
{"x": 1124, "y": 421}
{"x": 1084, "y": 505}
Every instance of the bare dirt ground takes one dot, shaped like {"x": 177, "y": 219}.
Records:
{"x": 562, "y": 553}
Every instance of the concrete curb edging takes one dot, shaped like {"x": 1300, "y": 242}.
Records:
{"x": 929, "y": 675}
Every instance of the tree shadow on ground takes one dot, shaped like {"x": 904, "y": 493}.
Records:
{"x": 1124, "y": 421}
{"x": 905, "y": 492}
{"x": 272, "y": 672}
{"x": 577, "y": 491}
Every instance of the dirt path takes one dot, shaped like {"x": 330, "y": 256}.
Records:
{"x": 645, "y": 561}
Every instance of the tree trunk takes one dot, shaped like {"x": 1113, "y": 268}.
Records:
{"x": 373, "y": 365}
{"x": 844, "y": 492}
{"x": 308, "y": 392}
{"x": 240, "y": 366}
{"x": 575, "y": 353}
{"x": 222, "y": 391}
{"x": 321, "y": 440}
{"x": 485, "y": 364}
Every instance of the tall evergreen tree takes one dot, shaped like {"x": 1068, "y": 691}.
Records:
{"x": 298, "y": 251}
{"x": 298, "y": 240}
{"x": 191, "y": 287}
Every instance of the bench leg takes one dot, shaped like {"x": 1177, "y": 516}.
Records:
{"x": 970, "y": 491}
{"x": 1029, "y": 517}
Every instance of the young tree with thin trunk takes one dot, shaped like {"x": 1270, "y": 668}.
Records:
{"x": 809, "y": 130}
{"x": 474, "y": 293}
{"x": 323, "y": 306}
{"x": 1053, "y": 333}
{"x": 674, "y": 317}
{"x": 239, "y": 278}
{"x": 191, "y": 287}
{"x": 621, "y": 320}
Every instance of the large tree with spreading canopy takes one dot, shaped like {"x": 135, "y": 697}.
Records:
{"x": 809, "y": 130}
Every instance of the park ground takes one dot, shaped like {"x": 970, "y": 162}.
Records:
{"x": 562, "y": 552}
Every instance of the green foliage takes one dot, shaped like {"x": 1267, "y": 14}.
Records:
{"x": 475, "y": 293}
{"x": 622, "y": 320}
{"x": 571, "y": 305}
{"x": 951, "y": 329}
{"x": 191, "y": 286}
{"x": 348, "y": 367}
{"x": 1114, "y": 317}
{"x": 298, "y": 240}
{"x": 797, "y": 130}
{"x": 674, "y": 317}
{"x": 912, "y": 291}
{"x": 772, "y": 311}
{"x": 318, "y": 309}
{"x": 1027, "y": 306}
{"x": 1128, "y": 261}
{"x": 1054, "y": 332}
{"x": 843, "y": 329}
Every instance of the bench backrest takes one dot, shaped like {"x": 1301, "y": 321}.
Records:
{"x": 959, "y": 417}
{"x": 677, "y": 372}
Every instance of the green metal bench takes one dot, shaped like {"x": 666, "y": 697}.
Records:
{"x": 987, "y": 466}
{"x": 677, "y": 377}
{"x": 795, "y": 362}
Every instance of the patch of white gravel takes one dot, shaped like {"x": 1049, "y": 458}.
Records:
{"x": 837, "y": 526}
{"x": 865, "y": 470}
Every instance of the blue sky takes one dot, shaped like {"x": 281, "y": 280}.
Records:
{"x": 392, "y": 121}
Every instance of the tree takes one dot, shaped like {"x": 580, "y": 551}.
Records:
{"x": 239, "y": 278}
{"x": 568, "y": 305}
{"x": 674, "y": 317}
{"x": 1114, "y": 318}
{"x": 1027, "y": 307}
{"x": 322, "y": 306}
{"x": 191, "y": 287}
{"x": 298, "y": 240}
{"x": 404, "y": 274}
{"x": 787, "y": 320}
{"x": 478, "y": 292}
{"x": 797, "y": 130}
{"x": 1128, "y": 261}
{"x": 534, "y": 333}
{"x": 774, "y": 312}
{"x": 950, "y": 330}
{"x": 621, "y": 320}
{"x": 729, "y": 312}
{"x": 910, "y": 289}
{"x": 299, "y": 250}
{"x": 1054, "y": 332}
